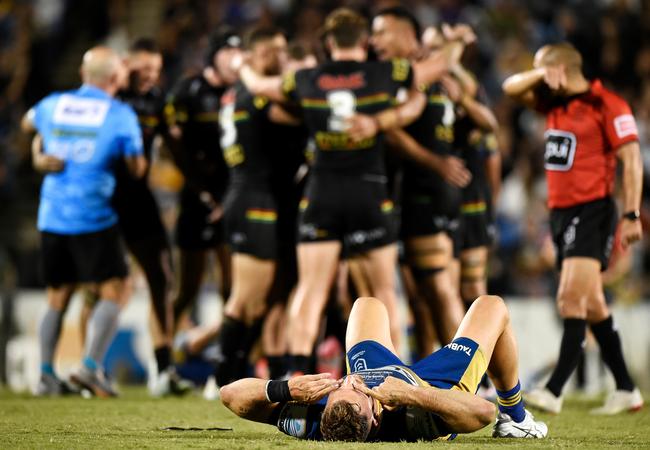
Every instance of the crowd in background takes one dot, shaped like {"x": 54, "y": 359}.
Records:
{"x": 41, "y": 42}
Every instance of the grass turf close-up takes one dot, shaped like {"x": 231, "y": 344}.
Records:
{"x": 137, "y": 421}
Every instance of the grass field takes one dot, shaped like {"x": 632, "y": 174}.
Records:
{"x": 136, "y": 421}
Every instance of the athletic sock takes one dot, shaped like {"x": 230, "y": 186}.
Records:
{"x": 277, "y": 367}
{"x": 572, "y": 343}
{"x": 611, "y": 351}
{"x": 251, "y": 335}
{"x": 299, "y": 364}
{"x": 49, "y": 337}
{"x": 101, "y": 329}
{"x": 163, "y": 358}
{"x": 511, "y": 403}
{"x": 230, "y": 340}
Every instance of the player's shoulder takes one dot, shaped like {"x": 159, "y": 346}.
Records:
{"x": 609, "y": 97}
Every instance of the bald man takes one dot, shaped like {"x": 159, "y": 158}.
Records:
{"x": 588, "y": 128}
{"x": 82, "y": 134}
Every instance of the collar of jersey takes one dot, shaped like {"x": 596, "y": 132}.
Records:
{"x": 92, "y": 91}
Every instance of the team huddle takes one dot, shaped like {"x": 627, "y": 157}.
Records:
{"x": 305, "y": 179}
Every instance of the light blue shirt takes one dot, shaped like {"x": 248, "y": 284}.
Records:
{"x": 90, "y": 131}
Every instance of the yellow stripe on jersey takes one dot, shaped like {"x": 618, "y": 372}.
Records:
{"x": 473, "y": 207}
{"x": 261, "y": 215}
{"x": 382, "y": 97}
{"x": 239, "y": 116}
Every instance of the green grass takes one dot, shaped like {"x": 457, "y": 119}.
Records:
{"x": 135, "y": 421}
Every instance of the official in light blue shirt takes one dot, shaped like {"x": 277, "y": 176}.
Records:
{"x": 82, "y": 135}
{"x": 89, "y": 131}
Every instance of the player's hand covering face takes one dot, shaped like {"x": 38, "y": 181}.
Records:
{"x": 392, "y": 393}
{"x": 311, "y": 388}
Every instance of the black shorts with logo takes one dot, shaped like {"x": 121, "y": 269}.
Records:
{"x": 137, "y": 209}
{"x": 193, "y": 230}
{"x": 250, "y": 222}
{"x": 585, "y": 230}
{"x": 82, "y": 258}
{"x": 355, "y": 210}
{"x": 425, "y": 214}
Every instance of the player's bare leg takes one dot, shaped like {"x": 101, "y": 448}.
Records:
{"x": 488, "y": 323}
{"x": 317, "y": 264}
{"x": 379, "y": 270}
{"x": 252, "y": 280}
{"x": 431, "y": 256}
{"x": 473, "y": 273}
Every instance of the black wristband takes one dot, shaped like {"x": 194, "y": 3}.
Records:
{"x": 632, "y": 215}
{"x": 278, "y": 391}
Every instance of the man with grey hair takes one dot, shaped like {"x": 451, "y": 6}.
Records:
{"x": 82, "y": 134}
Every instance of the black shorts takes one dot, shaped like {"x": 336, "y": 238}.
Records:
{"x": 351, "y": 209}
{"x": 193, "y": 230}
{"x": 424, "y": 214}
{"x": 137, "y": 209}
{"x": 585, "y": 230}
{"x": 82, "y": 258}
{"x": 250, "y": 222}
{"x": 476, "y": 228}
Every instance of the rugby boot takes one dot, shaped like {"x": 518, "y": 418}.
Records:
{"x": 94, "y": 381}
{"x": 620, "y": 401}
{"x": 529, "y": 428}
{"x": 544, "y": 400}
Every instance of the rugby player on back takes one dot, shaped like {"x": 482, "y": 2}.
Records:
{"x": 383, "y": 399}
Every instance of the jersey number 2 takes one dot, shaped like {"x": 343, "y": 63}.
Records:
{"x": 343, "y": 106}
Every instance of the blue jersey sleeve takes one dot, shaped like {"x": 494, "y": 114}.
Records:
{"x": 130, "y": 133}
{"x": 300, "y": 420}
{"x": 41, "y": 112}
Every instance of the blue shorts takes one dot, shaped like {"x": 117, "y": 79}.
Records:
{"x": 458, "y": 365}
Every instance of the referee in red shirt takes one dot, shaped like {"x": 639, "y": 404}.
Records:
{"x": 587, "y": 129}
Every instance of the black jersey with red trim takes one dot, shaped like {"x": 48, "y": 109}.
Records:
{"x": 434, "y": 130}
{"x": 332, "y": 93}
{"x": 245, "y": 126}
{"x": 193, "y": 105}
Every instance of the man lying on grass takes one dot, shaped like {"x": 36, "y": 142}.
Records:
{"x": 382, "y": 399}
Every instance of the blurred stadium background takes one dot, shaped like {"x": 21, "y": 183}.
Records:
{"x": 41, "y": 43}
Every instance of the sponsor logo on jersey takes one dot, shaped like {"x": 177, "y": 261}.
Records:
{"x": 560, "y": 150}
{"x": 328, "y": 82}
{"x": 78, "y": 111}
{"x": 624, "y": 125}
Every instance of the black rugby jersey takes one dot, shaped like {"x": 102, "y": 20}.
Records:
{"x": 149, "y": 108}
{"x": 434, "y": 130}
{"x": 193, "y": 105}
{"x": 245, "y": 136}
{"x": 333, "y": 92}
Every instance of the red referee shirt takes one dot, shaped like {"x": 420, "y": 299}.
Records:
{"x": 582, "y": 135}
